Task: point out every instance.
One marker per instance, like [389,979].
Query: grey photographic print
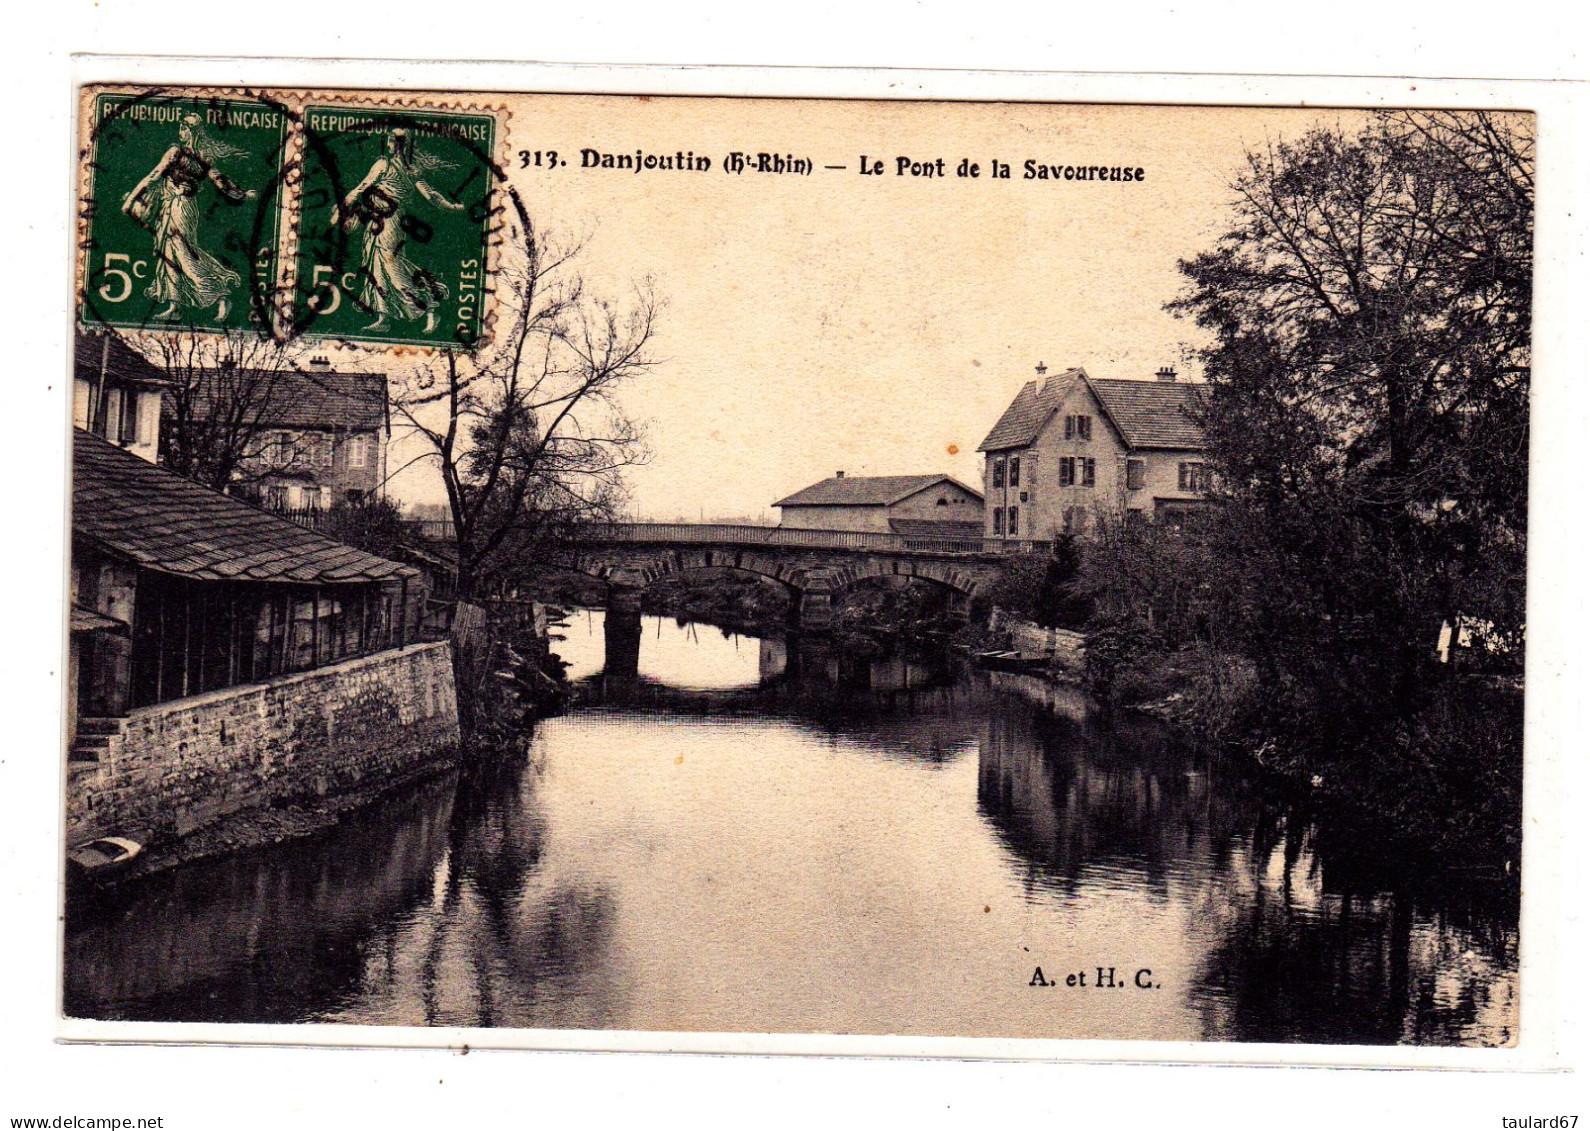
[728,565]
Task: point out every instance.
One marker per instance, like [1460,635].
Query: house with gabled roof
[1072,449]
[321,432]
[885,504]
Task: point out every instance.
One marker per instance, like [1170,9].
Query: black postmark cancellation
[236,211]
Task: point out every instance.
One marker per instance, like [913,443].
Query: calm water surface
[752,835]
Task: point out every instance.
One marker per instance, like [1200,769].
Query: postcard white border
[1549,865]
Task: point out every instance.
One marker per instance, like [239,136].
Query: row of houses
[1070,451]
[316,436]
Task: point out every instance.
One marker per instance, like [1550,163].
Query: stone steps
[94,737]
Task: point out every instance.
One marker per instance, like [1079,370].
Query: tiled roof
[161,521]
[1153,414]
[928,528]
[304,398]
[1029,412]
[865,490]
[119,360]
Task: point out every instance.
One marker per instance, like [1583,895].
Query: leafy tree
[1044,587]
[1369,312]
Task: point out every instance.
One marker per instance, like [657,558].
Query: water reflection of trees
[433,908]
[264,936]
[1301,939]
[1308,948]
[1069,797]
[501,941]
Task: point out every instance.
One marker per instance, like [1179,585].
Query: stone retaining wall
[1065,650]
[175,767]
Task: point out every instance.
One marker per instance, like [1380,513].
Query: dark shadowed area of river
[744,835]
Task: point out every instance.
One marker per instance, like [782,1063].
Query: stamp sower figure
[394,285]
[185,275]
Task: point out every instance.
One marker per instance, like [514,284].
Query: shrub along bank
[1433,766]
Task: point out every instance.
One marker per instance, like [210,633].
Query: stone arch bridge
[814,565]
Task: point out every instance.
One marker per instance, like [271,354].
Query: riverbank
[696,836]
[262,828]
[1442,782]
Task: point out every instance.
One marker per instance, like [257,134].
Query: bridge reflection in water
[808,843]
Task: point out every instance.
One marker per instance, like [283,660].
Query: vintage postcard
[570,568]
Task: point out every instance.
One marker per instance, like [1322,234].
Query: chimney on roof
[1042,380]
[1165,373]
[839,475]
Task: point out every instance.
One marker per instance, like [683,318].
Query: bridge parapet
[815,566]
[723,534]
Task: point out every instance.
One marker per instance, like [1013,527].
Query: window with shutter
[1134,475]
[129,419]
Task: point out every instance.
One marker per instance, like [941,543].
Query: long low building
[877,503]
[222,656]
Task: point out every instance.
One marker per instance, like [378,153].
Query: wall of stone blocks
[178,766]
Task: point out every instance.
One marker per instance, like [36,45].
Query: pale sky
[871,323]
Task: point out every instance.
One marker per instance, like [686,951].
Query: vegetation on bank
[1368,319]
[870,620]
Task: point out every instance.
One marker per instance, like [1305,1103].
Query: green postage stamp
[393,225]
[289,217]
[183,212]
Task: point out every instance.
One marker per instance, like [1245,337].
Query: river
[741,835]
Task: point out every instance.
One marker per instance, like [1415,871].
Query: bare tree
[228,398]
[526,430]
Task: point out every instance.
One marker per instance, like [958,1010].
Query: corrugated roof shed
[87,620]
[302,398]
[161,521]
[1154,414]
[1029,412]
[865,490]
